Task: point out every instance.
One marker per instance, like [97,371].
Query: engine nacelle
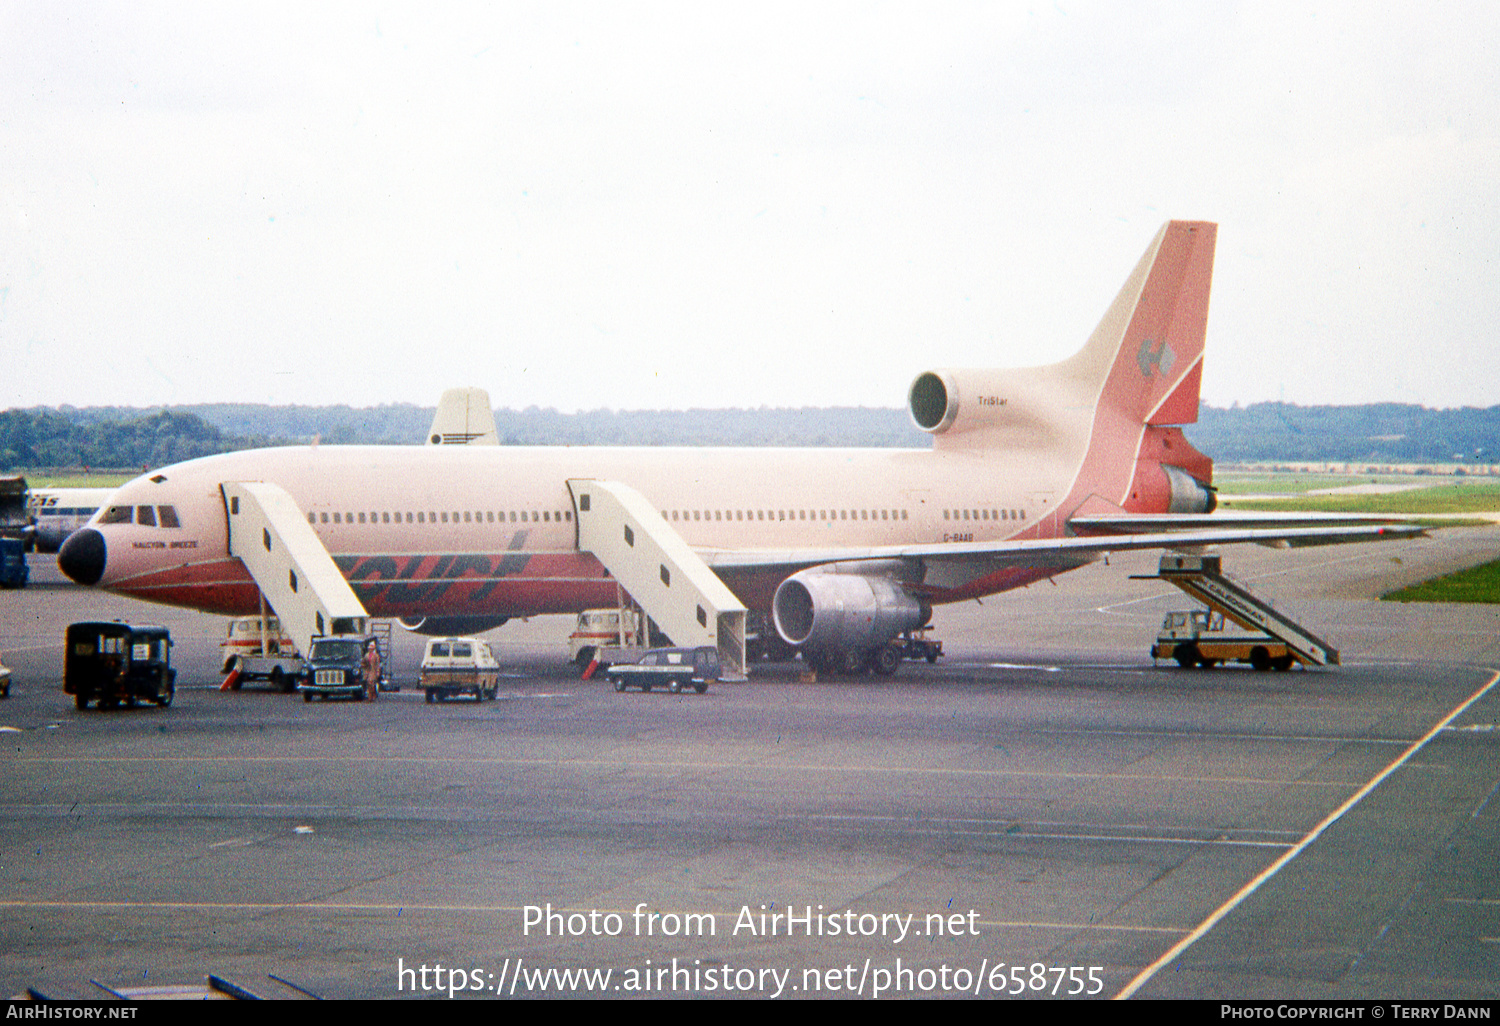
[1189,495]
[838,612]
[448,626]
[1022,408]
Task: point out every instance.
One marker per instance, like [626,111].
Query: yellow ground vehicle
[1197,637]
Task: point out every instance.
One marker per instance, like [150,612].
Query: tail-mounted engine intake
[840,612]
[1014,408]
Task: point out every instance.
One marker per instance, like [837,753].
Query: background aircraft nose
[82,556]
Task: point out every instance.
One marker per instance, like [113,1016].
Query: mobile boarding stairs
[666,578]
[1202,578]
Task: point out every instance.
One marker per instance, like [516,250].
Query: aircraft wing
[1097,535]
[1156,523]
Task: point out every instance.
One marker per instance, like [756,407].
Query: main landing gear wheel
[852,661]
[887,660]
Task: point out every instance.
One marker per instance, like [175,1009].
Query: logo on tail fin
[1162,358]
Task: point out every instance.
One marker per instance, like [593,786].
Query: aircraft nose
[82,556]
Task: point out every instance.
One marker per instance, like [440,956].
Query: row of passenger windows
[549,516]
[166,516]
[984,514]
[145,516]
[486,516]
[785,514]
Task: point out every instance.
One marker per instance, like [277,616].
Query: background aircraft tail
[464,417]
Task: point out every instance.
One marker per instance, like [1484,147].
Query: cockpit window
[145,516]
[117,515]
[168,516]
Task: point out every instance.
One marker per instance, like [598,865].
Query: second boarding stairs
[1202,577]
[663,575]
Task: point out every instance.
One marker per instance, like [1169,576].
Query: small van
[673,668]
[459,666]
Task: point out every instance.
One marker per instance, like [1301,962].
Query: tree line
[131,437]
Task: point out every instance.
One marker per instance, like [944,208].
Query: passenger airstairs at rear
[1202,578]
[663,575]
[270,535]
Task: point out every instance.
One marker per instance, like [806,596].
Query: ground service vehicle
[15,518]
[116,663]
[260,651]
[335,667]
[14,573]
[917,645]
[459,666]
[598,633]
[672,668]
[4,681]
[1197,637]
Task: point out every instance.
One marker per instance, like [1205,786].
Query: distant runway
[1043,811]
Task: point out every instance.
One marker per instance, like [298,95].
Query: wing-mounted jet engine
[846,618]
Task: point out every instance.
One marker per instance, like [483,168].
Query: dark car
[672,668]
[335,667]
[117,663]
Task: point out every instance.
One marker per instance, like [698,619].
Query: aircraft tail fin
[464,417]
[1146,361]
[1147,352]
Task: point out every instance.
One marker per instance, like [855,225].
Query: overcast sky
[660,206]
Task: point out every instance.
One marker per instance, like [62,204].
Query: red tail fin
[1154,331]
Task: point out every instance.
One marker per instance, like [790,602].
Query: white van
[459,666]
